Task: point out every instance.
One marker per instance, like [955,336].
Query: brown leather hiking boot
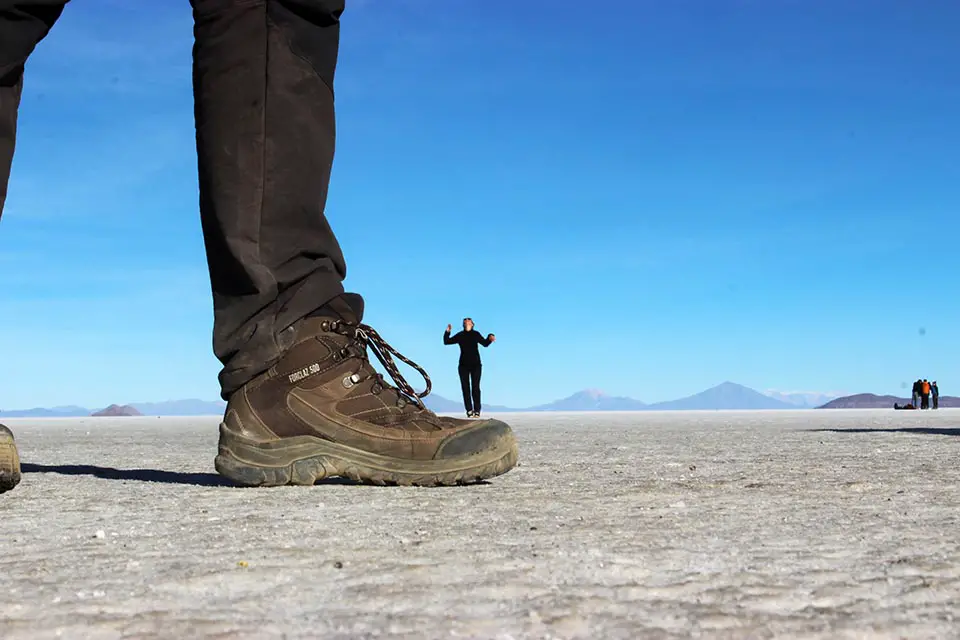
[324,411]
[9,461]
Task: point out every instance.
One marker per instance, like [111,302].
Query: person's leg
[475,377]
[23,24]
[304,401]
[465,388]
[263,84]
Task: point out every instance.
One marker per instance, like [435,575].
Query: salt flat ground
[812,524]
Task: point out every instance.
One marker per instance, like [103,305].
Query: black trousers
[470,385]
[263,102]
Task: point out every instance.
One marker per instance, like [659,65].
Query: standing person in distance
[470,368]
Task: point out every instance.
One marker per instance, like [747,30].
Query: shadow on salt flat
[929,431]
[145,475]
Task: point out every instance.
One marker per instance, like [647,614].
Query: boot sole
[9,463]
[303,460]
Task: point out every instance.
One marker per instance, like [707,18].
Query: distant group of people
[923,392]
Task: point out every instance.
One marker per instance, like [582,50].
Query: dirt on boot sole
[304,460]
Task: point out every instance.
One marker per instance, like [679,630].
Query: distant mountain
[193,407]
[115,410]
[169,408]
[591,400]
[728,395]
[69,411]
[873,401]
[189,407]
[802,399]
[725,396]
[439,404]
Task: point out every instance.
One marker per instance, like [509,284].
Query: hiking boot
[323,411]
[9,461]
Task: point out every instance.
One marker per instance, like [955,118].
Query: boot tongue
[347,306]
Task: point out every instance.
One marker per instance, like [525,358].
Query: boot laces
[366,337]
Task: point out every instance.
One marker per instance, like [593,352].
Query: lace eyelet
[351,380]
[376,389]
[401,403]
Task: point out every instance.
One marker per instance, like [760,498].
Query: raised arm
[490,339]
[447,339]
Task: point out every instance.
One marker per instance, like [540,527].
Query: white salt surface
[813,524]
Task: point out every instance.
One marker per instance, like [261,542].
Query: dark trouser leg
[23,23]
[263,76]
[475,377]
[465,387]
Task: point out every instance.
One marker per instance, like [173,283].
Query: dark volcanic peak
[864,401]
[116,410]
[873,401]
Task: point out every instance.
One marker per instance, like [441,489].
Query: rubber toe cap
[481,437]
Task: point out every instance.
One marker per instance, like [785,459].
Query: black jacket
[469,342]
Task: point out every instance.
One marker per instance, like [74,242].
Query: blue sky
[657,197]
